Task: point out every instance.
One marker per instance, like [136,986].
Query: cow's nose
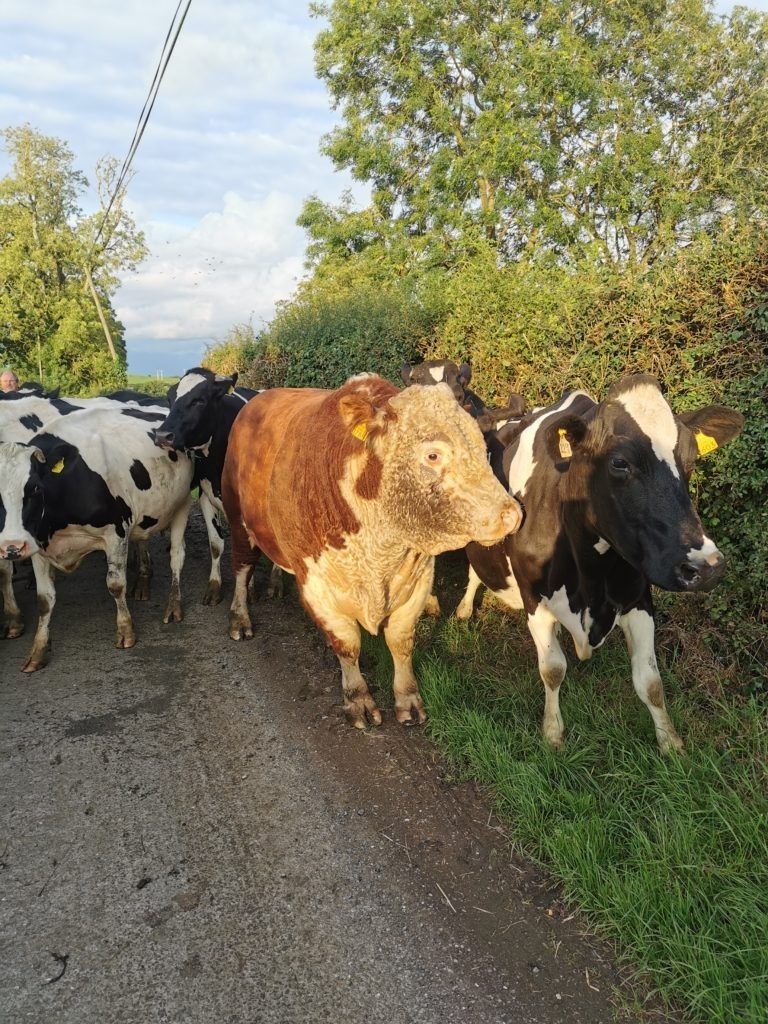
[512,517]
[13,550]
[164,438]
[700,575]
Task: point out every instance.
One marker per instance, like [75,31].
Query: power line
[165,56]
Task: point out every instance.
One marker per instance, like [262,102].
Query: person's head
[9,381]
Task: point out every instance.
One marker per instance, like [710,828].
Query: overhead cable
[165,55]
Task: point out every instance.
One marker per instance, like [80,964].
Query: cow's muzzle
[13,550]
[700,575]
[163,438]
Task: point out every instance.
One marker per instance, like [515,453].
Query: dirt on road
[190,832]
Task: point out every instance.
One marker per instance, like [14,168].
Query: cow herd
[571,512]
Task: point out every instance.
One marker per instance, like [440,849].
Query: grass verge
[666,856]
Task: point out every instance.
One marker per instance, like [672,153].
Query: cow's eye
[619,467]
[433,457]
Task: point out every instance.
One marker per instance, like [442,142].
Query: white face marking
[15,460]
[648,408]
[188,382]
[602,546]
[437,373]
[708,552]
[523,464]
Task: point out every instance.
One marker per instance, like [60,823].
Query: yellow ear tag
[564,444]
[360,431]
[58,467]
[705,443]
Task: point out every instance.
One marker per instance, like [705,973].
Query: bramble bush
[698,321]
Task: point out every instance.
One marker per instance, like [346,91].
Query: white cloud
[229,155]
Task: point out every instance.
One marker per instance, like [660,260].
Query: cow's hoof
[141,590]
[173,614]
[212,593]
[415,714]
[362,714]
[240,633]
[125,640]
[15,629]
[35,662]
[465,610]
[432,606]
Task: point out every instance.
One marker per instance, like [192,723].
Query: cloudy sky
[230,153]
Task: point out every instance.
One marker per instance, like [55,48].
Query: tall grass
[668,856]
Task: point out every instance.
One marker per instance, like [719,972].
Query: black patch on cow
[172,455]
[63,407]
[77,495]
[31,422]
[140,476]
[147,522]
[218,527]
[142,414]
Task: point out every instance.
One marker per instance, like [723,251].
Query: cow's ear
[405,373]
[563,436]
[223,384]
[712,426]
[55,460]
[361,417]
[465,373]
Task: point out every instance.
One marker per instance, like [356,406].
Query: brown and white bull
[355,491]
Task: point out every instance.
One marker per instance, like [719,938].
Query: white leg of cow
[212,593]
[46,599]
[467,604]
[639,631]
[141,588]
[173,609]
[117,584]
[14,624]
[552,665]
[240,627]
[399,634]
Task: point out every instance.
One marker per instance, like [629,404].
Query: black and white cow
[91,480]
[604,487]
[203,408]
[445,371]
[22,415]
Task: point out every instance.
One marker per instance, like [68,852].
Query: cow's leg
[212,593]
[117,584]
[46,599]
[173,610]
[14,623]
[343,634]
[141,587]
[639,631]
[543,626]
[399,634]
[275,587]
[467,604]
[244,557]
[432,606]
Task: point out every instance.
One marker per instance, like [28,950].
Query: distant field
[150,384]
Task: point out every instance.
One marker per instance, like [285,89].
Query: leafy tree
[599,131]
[54,259]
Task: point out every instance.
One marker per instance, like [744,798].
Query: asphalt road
[189,832]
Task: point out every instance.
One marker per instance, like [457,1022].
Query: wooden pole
[102,318]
